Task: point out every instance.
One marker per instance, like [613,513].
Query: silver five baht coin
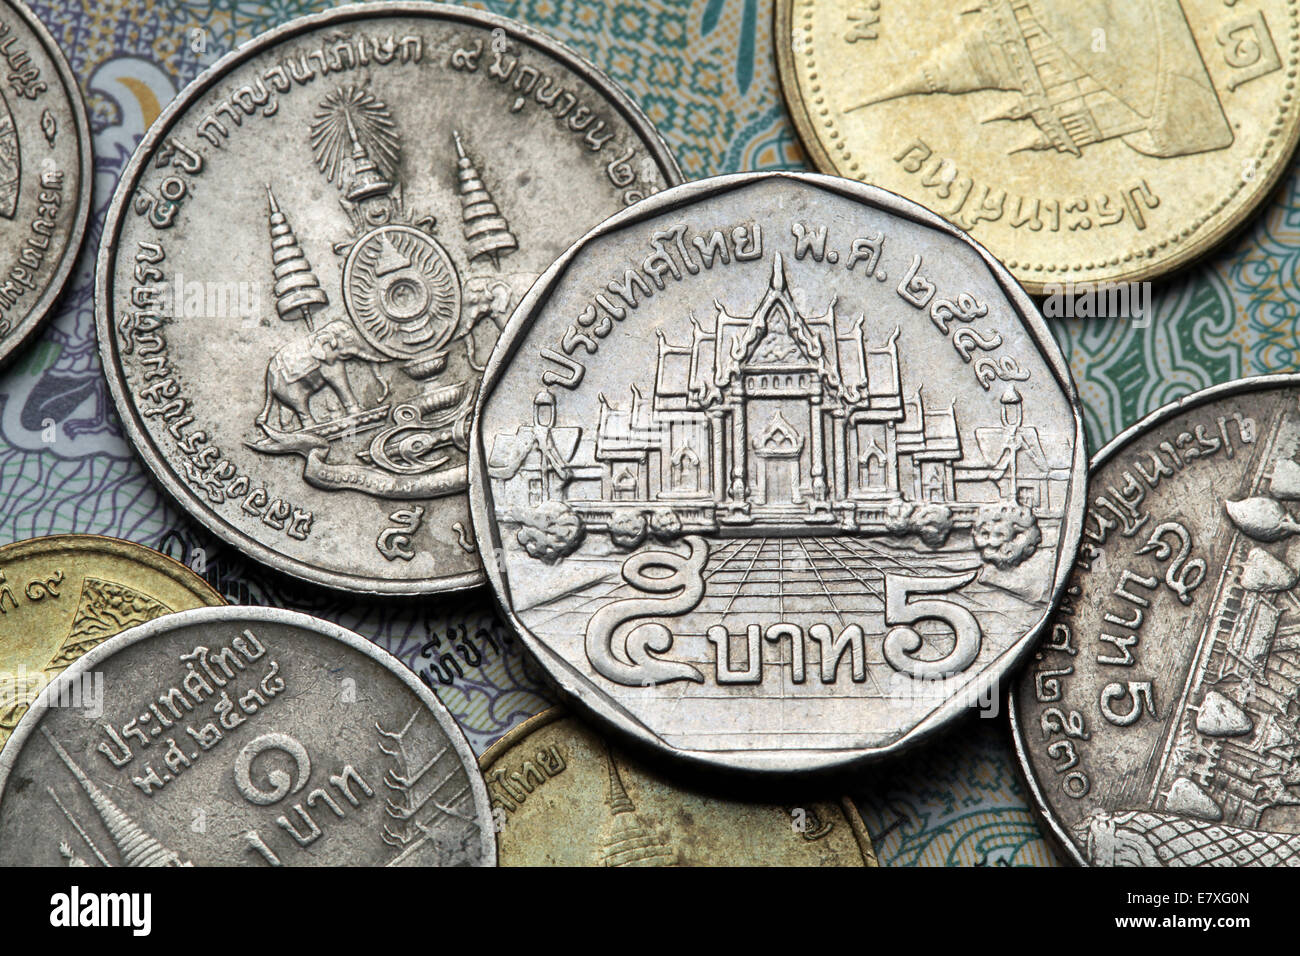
[779,472]
[1157,722]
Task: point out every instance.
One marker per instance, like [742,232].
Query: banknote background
[704,72]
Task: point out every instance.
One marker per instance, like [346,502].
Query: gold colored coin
[562,796]
[1078,140]
[62,595]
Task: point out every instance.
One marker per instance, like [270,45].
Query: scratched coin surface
[1157,721]
[308,260]
[241,736]
[562,795]
[64,594]
[1093,141]
[779,471]
[45,174]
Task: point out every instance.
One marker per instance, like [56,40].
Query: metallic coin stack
[767,476]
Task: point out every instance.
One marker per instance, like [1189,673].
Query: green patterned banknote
[704,71]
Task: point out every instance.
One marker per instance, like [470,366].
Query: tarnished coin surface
[45,174]
[1096,141]
[1157,721]
[64,594]
[308,259]
[564,796]
[779,471]
[240,736]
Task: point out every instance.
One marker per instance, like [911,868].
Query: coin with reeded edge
[780,472]
[241,736]
[45,175]
[64,594]
[1156,723]
[308,260]
[1080,142]
[563,796]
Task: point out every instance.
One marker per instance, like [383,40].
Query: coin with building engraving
[64,594]
[1157,720]
[240,736]
[310,256]
[1081,141]
[779,471]
[45,174]
[562,795]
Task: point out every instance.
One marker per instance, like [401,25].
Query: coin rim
[117,548]
[517,734]
[1191,253]
[164,475]
[240,614]
[1254,383]
[43,309]
[578,686]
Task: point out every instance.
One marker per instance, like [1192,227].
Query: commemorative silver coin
[309,258]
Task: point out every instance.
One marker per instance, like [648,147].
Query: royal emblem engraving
[405,308]
[760,496]
[296,349]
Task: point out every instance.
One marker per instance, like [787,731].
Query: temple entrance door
[778,448]
[781,480]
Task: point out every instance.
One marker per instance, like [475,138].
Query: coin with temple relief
[779,472]
[240,736]
[46,175]
[64,594]
[1157,723]
[564,796]
[308,260]
[1081,141]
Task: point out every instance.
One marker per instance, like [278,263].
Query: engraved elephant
[310,363]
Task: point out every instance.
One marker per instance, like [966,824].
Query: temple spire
[137,848]
[617,798]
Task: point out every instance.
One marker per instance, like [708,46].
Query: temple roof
[628,432]
[929,434]
[778,337]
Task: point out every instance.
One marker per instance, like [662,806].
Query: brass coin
[562,796]
[64,594]
[1079,141]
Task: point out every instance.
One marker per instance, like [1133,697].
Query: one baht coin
[780,471]
[240,736]
[1156,723]
[45,175]
[1080,142]
[64,594]
[564,796]
[308,260]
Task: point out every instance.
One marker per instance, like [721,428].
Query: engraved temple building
[775,419]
